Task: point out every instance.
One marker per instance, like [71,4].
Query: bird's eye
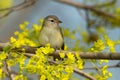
[52,20]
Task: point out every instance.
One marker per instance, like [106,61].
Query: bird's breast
[52,36]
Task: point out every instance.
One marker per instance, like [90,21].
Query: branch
[7,70]
[83,55]
[91,8]
[84,74]
[20,6]
[106,4]
[112,66]
[88,21]
[92,55]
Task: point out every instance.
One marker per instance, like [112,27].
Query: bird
[51,33]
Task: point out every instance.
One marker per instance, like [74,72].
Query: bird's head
[51,21]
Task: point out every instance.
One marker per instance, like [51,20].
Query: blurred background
[77,20]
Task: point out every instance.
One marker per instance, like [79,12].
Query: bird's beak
[60,21]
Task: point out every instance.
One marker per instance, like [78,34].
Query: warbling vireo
[51,33]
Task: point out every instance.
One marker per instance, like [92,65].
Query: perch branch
[83,55]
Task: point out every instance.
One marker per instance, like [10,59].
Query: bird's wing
[62,37]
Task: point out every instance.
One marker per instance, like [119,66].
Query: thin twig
[112,2]
[87,21]
[8,70]
[20,6]
[91,8]
[84,74]
[112,66]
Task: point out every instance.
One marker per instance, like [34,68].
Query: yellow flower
[16,32]
[112,49]
[20,77]
[62,55]
[66,32]
[110,74]
[26,22]
[11,62]
[23,26]
[64,77]
[71,58]
[41,21]
[104,70]
[109,42]
[40,69]
[72,36]
[70,55]
[12,40]
[65,47]
[31,68]
[118,10]
[3,56]
[99,45]
[36,27]
[103,61]
[43,77]
[2,74]
[80,64]
[69,69]
[45,50]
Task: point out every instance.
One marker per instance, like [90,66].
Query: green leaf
[7,48]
